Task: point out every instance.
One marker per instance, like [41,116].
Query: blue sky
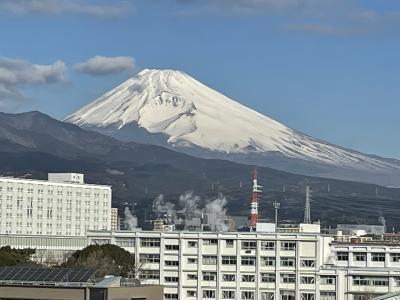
[328,68]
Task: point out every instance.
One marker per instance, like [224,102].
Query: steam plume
[130,220]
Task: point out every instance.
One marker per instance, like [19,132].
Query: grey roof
[26,274]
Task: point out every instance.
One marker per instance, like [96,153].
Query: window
[192,260]
[229,243]
[288,246]
[228,295]
[288,278]
[191,276]
[209,276]
[288,295]
[149,274]
[395,257]
[150,242]
[191,293]
[288,261]
[248,278]
[192,244]
[126,242]
[396,281]
[267,245]
[171,296]
[249,245]
[308,263]
[342,256]
[171,263]
[268,261]
[307,279]
[171,279]
[267,296]
[149,258]
[209,294]
[209,260]
[268,277]
[210,242]
[248,261]
[370,281]
[328,280]
[172,247]
[327,296]
[228,277]
[378,257]
[307,296]
[229,260]
[359,256]
[247,295]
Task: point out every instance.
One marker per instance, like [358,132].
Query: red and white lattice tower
[254,202]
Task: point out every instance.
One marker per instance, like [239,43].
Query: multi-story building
[115,224]
[52,216]
[260,266]
[61,206]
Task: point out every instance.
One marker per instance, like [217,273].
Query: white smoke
[216,212]
[164,209]
[130,221]
[190,204]
[382,220]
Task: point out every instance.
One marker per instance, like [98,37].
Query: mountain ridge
[176,110]
[33,144]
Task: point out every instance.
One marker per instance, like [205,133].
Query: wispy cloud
[101,65]
[16,73]
[263,6]
[324,17]
[56,7]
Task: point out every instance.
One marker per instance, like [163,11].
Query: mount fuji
[170,108]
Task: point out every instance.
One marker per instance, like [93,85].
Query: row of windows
[246,245]
[59,191]
[265,277]
[370,281]
[231,294]
[362,256]
[250,295]
[251,261]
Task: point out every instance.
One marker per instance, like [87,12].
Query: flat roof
[13,275]
[42,181]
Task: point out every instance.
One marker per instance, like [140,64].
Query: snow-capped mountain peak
[190,114]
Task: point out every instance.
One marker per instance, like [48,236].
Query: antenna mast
[307,210]
[254,202]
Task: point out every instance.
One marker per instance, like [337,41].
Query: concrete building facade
[260,266]
[61,206]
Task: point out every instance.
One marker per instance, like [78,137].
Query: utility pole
[276,206]
[307,212]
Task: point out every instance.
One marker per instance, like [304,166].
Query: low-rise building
[262,266]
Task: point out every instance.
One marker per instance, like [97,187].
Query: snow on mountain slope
[191,114]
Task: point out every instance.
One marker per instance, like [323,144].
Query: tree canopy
[14,257]
[106,259]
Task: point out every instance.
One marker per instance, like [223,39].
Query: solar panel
[45,274]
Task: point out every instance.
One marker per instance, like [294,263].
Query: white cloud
[53,7]
[315,7]
[16,73]
[101,65]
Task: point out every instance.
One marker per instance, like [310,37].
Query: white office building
[61,206]
[260,266]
